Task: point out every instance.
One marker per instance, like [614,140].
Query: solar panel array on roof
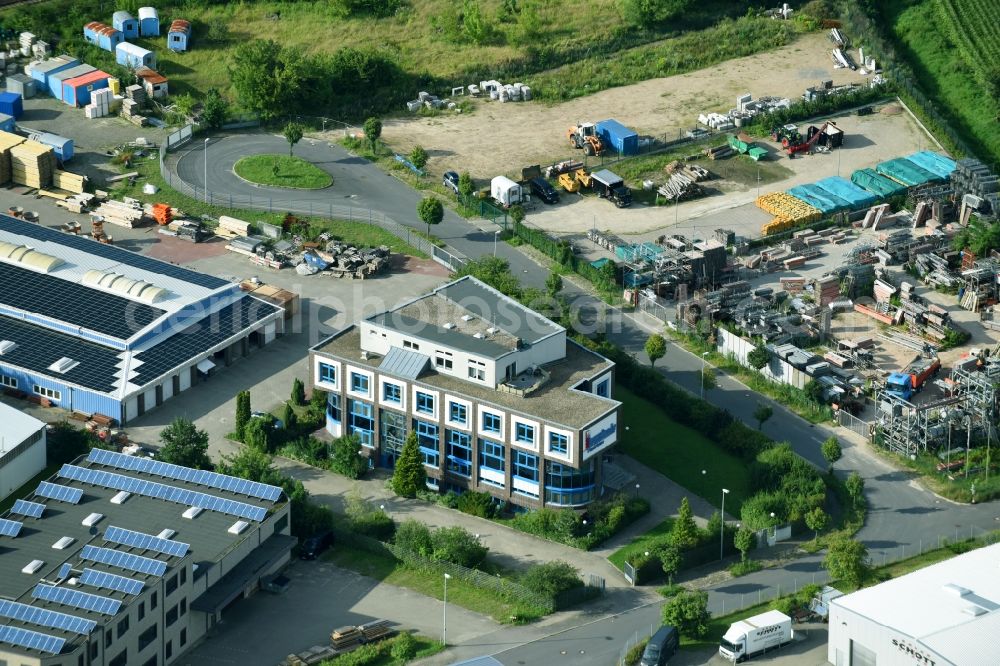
[74,303]
[10,528]
[162,491]
[110,581]
[64,571]
[46,618]
[145,541]
[199,476]
[116,558]
[117,254]
[25,508]
[32,640]
[76,599]
[58,492]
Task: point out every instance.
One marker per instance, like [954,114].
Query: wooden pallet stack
[71,182]
[127,213]
[375,630]
[345,638]
[32,164]
[7,141]
[827,290]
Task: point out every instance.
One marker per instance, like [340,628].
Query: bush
[298,392]
[551,578]
[745,567]
[688,611]
[404,647]
[346,460]
[458,546]
[414,536]
[367,519]
[476,504]
[634,653]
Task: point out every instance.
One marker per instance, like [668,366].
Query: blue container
[11,104]
[126,23]
[621,139]
[6,122]
[61,146]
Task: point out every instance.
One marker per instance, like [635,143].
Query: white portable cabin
[505,191]
[133,56]
[149,22]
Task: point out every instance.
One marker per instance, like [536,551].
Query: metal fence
[449,257]
[853,423]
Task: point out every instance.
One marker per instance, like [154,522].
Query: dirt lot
[498,139]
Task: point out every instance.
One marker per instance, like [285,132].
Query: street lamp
[637,490]
[444,626]
[722,526]
[704,357]
[496,235]
[206,169]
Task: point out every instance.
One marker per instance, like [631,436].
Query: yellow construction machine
[585,136]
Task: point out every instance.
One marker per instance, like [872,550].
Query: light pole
[968,441]
[637,490]
[206,169]
[704,358]
[444,624]
[496,235]
[722,525]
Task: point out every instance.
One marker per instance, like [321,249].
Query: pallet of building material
[345,638]
[375,630]
[71,182]
[120,213]
[232,226]
[32,164]
[7,141]
[794,262]
[162,213]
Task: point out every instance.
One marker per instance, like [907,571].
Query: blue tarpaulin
[933,162]
[848,191]
[819,198]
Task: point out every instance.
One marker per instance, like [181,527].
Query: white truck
[505,191]
[754,635]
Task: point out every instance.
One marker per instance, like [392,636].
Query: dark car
[660,647]
[314,546]
[543,190]
[450,181]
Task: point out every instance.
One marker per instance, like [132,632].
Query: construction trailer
[505,191]
[103,35]
[179,35]
[619,138]
[77,91]
[132,56]
[55,79]
[40,71]
[126,23]
[149,22]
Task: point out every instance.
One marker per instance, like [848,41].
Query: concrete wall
[777,369]
[28,462]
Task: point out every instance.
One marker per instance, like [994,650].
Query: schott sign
[918,656]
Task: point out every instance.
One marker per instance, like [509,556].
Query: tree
[419,157]
[688,611]
[288,418]
[257,434]
[684,533]
[458,546]
[465,185]
[816,520]
[242,413]
[373,132]
[267,78]
[671,560]
[214,109]
[495,272]
[293,134]
[431,211]
[831,450]
[184,444]
[743,540]
[409,475]
[656,348]
[758,357]
[708,378]
[250,463]
[855,487]
[414,536]
[553,284]
[847,561]
[551,578]
[347,458]
[404,648]
[815,391]
[317,400]
[762,414]
[298,392]
[517,213]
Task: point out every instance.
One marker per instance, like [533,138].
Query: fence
[853,423]
[447,257]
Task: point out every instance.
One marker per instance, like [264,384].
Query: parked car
[543,190]
[314,546]
[450,181]
[660,647]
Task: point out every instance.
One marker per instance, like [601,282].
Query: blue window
[391,393]
[360,421]
[333,407]
[558,443]
[567,486]
[459,449]
[525,465]
[457,413]
[524,433]
[327,373]
[603,389]
[359,383]
[491,423]
[425,403]
[491,455]
[427,438]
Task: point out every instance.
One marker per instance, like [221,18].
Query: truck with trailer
[755,635]
[505,191]
[907,382]
[610,186]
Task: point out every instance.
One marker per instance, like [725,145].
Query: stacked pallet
[788,212]
[375,630]
[345,638]
[32,164]
[7,141]
[163,213]
[827,290]
[123,214]
[71,182]
[231,227]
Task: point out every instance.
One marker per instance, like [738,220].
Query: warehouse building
[500,400]
[22,449]
[947,614]
[93,328]
[119,560]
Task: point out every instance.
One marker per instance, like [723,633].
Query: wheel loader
[585,136]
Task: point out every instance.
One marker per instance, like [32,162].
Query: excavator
[585,136]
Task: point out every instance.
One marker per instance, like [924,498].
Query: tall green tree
[409,475]
[495,272]
[743,540]
[684,533]
[288,418]
[656,348]
[855,486]
[373,132]
[257,434]
[816,520]
[418,157]
[298,392]
[293,133]
[831,450]
[214,109]
[268,79]
[847,560]
[762,414]
[347,458]
[688,611]
[431,211]
[242,412]
[184,444]
[465,185]
[671,560]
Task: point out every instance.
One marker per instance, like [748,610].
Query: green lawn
[680,453]
[282,171]
[640,544]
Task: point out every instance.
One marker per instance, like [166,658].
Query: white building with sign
[500,399]
[942,615]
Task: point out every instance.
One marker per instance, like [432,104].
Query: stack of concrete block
[135,100]
[26,40]
[100,104]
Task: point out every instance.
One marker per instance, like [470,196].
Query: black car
[450,181]
[314,546]
[544,191]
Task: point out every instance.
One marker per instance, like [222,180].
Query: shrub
[634,653]
[551,578]
[346,458]
[458,546]
[688,611]
[367,519]
[298,392]
[404,647]
[476,504]
[831,450]
[414,536]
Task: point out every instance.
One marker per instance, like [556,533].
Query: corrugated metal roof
[180,25]
[150,76]
[88,78]
[404,363]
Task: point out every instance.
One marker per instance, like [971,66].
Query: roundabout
[282,171]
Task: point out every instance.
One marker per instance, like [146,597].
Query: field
[952,64]
[282,171]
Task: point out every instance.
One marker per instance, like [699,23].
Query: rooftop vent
[121,497]
[491,330]
[63,543]
[142,291]
[478,335]
[63,365]
[956,590]
[32,566]
[449,326]
[467,317]
[25,256]
[974,610]
[167,534]
[92,519]
[192,512]
[7,346]
[364,355]
[238,527]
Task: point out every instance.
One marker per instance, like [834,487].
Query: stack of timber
[718,152]
[375,630]
[77,203]
[128,213]
[314,655]
[345,638]
[7,141]
[32,164]
[71,182]
[232,227]
[681,186]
